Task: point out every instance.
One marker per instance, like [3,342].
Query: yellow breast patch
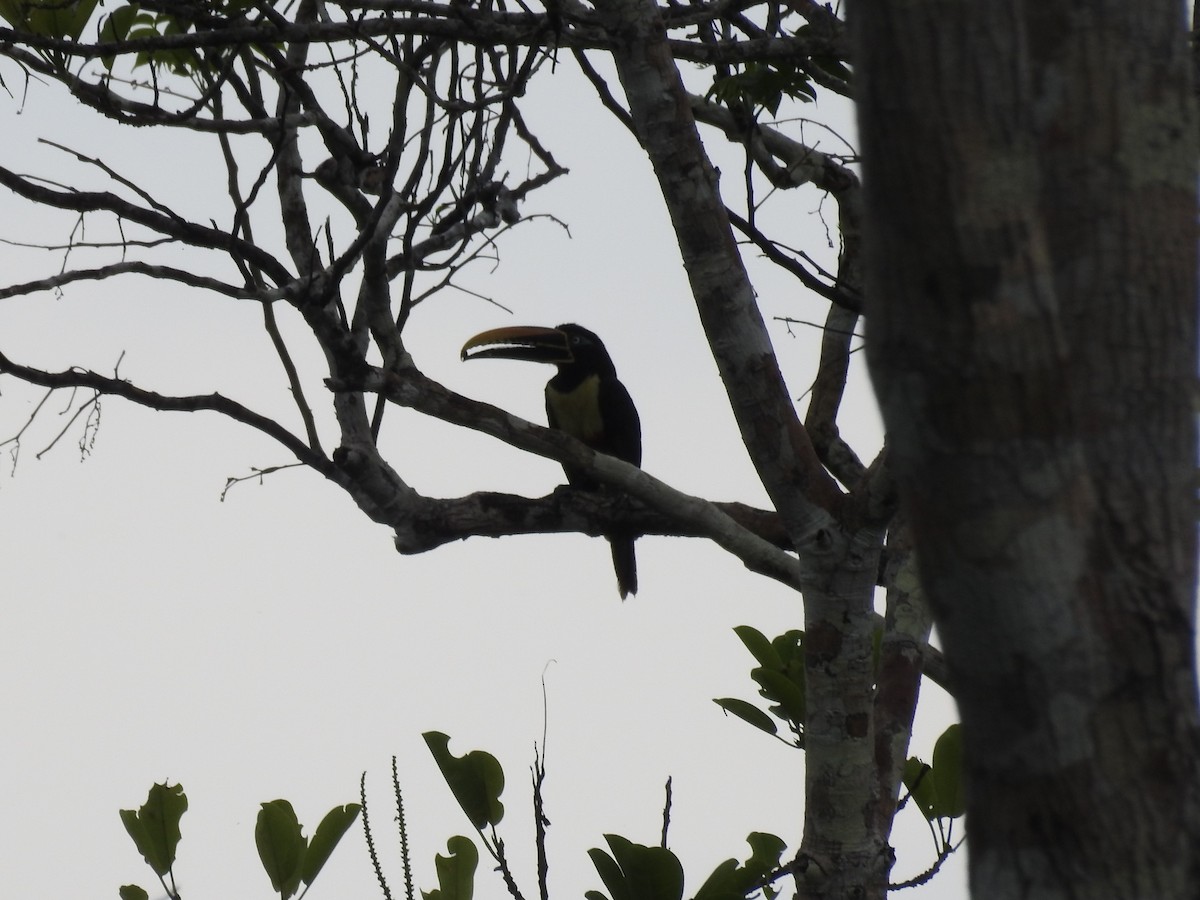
[578,412]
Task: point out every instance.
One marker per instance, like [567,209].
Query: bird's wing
[622,427]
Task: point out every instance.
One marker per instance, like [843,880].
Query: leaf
[12,12]
[919,782]
[638,872]
[456,872]
[49,18]
[782,690]
[727,882]
[331,830]
[830,65]
[281,845]
[655,871]
[155,826]
[760,648]
[733,881]
[73,17]
[117,23]
[132,892]
[610,874]
[761,84]
[766,849]
[790,648]
[748,712]
[948,773]
[114,28]
[476,780]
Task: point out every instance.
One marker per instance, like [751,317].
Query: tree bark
[1031,304]
[844,853]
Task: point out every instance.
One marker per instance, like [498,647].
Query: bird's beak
[525,342]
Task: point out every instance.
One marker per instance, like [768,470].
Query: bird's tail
[624,564]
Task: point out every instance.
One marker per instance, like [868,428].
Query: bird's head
[566,346]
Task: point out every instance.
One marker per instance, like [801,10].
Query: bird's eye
[576,340]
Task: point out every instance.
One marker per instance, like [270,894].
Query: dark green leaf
[456,872]
[71,18]
[765,852]
[831,65]
[758,645]
[748,712]
[727,882]
[115,27]
[335,824]
[731,881]
[476,780]
[132,892]
[948,773]
[790,648]
[142,28]
[155,826]
[281,845]
[781,689]
[610,874]
[651,873]
[13,12]
[116,24]
[50,18]
[918,779]
[762,85]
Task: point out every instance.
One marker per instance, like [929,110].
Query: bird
[585,399]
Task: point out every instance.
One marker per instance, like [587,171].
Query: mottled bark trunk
[1031,202]
[844,854]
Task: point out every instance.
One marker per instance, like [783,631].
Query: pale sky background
[275,645]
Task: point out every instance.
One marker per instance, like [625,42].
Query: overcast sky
[275,645]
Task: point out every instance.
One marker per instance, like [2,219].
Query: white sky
[275,645]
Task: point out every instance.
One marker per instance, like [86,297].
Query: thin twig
[405,857]
[666,816]
[366,819]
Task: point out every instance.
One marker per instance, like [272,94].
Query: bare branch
[416,391]
[256,474]
[119,387]
[470,25]
[179,229]
[772,251]
[134,267]
[827,392]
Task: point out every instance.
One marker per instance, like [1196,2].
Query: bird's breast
[577,411]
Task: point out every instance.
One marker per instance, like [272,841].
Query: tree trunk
[838,537]
[1031,305]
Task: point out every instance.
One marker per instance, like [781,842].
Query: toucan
[584,398]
